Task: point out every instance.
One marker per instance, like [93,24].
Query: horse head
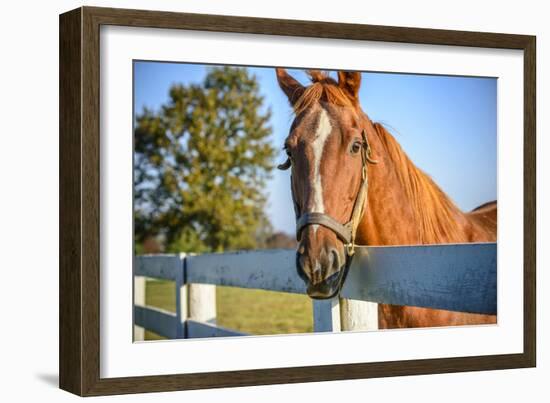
[328,153]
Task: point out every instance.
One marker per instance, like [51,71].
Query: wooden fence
[459,277]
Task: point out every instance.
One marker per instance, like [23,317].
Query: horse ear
[292,88]
[350,81]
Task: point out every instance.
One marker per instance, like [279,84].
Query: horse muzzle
[324,279]
[328,288]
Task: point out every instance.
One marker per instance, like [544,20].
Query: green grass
[263,312]
[248,311]
[160,294]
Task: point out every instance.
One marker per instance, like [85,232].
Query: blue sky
[447,125]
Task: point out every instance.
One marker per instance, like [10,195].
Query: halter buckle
[350,249]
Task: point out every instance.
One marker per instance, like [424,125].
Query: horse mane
[322,88]
[435,212]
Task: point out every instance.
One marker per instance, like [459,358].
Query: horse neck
[404,205]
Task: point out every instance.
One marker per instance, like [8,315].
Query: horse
[352,184]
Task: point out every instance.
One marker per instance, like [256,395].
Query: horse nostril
[335,259]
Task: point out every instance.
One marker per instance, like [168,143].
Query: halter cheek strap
[345,232]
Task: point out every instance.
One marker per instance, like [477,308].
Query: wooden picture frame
[80,199]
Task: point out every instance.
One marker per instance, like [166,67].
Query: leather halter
[345,232]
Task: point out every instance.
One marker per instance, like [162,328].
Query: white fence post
[139,299]
[358,315]
[326,315]
[202,303]
[181,298]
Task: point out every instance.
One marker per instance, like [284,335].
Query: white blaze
[323,131]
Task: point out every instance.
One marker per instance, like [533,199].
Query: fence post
[181,298]
[326,315]
[358,315]
[139,299]
[202,302]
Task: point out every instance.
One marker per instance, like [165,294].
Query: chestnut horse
[353,184]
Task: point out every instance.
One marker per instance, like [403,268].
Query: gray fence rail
[459,277]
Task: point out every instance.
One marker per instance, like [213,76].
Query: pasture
[248,311]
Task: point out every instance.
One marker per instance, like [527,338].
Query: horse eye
[356,147]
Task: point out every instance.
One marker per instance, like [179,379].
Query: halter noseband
[346,232]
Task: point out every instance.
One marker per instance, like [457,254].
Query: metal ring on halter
[350,248]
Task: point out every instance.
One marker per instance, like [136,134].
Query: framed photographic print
[249,201]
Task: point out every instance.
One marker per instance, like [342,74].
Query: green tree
[201,163]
